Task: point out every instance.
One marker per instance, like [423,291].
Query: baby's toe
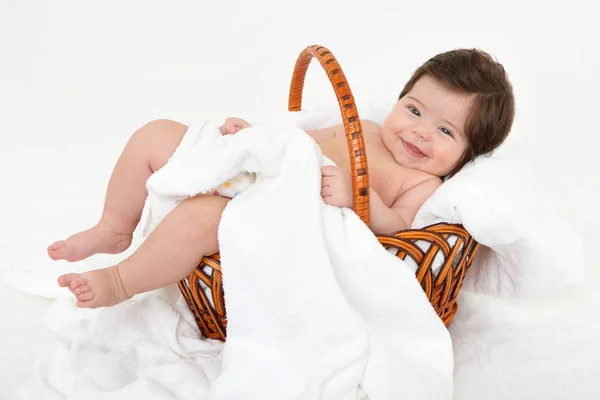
[83,304]
[77,282]
[81,289]
[58,250]
[56,245]
[66,279]
[85,296]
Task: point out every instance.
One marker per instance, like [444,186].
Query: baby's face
[425,130]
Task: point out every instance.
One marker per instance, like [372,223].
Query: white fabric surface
[373,329]
[528,249]
[65,368]
[311,314]
[147,348]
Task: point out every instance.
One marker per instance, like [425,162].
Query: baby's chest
[385,176]
[386,181]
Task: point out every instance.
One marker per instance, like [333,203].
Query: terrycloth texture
[311,313]
[145,348]
[528,247]
[148,347]
[316,307]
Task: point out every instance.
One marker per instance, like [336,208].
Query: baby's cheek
[447,157]
[392,142]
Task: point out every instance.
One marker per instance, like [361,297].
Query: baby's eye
[414,111]
[446,131]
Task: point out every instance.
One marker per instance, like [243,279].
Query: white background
[77,78]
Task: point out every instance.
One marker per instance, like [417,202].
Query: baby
[456,106]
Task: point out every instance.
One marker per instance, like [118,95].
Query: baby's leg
[148,150]
[170,253]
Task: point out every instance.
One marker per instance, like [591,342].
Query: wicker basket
[450,248]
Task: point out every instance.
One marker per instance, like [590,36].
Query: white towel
[528,247]
[149,346]
[316,307]
[145,348]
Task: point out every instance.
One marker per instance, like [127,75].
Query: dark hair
[475,72]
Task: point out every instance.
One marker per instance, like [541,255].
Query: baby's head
[455,107]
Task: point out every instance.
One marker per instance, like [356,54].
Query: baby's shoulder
[370,126]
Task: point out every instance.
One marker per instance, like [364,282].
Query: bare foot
[101,238]
[97,288]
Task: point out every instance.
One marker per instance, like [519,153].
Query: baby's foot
[101,238]
[97,288]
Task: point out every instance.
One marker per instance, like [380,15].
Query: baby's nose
[422,131]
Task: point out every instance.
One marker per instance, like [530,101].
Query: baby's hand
[233,125]
[336,186]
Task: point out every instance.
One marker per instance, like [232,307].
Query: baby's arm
[386,220]
[324,134]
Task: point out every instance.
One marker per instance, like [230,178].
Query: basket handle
[352,125]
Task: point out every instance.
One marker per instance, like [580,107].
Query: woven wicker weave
[447,249]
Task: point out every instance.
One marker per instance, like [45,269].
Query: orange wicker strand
[449,247]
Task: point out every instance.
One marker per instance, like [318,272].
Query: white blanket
[528,248]
[148,347]
[316,307]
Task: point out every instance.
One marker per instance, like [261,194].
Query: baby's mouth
[412,149]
